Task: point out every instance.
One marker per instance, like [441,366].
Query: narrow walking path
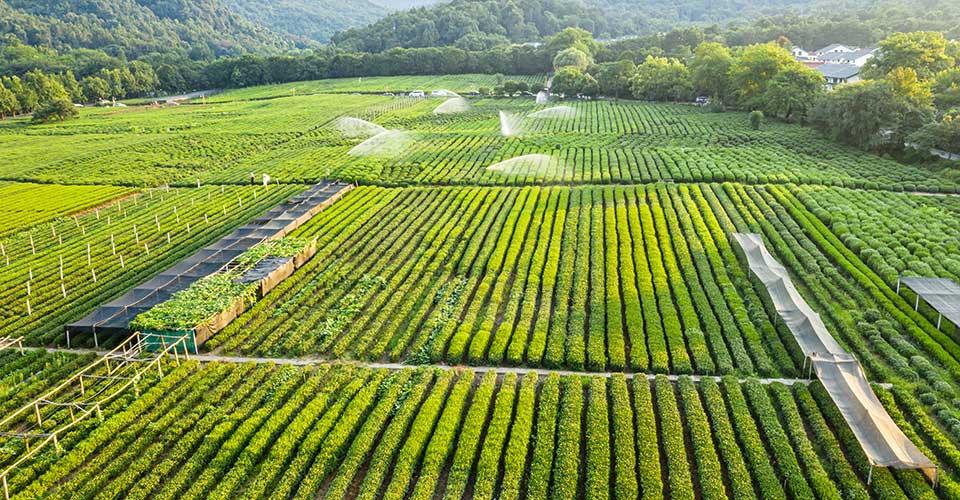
[207,358]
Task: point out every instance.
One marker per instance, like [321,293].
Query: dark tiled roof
[842,71]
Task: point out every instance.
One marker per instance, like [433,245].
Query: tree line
[52,95]
[909,93]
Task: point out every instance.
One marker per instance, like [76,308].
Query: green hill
[200,30]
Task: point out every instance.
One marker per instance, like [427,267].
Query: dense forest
[481,24]
[133,28]
[309,20]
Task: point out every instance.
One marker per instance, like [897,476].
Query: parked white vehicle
[417,93]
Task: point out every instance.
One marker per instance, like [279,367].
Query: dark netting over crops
[884,444]
[942,294]
[116,315]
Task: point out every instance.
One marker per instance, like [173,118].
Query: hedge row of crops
[462,84]
[589,278]
[149,147]
[26,376]
[608,142]
[599,142]
[28,204]
[57,272]
[893,234]
[894,343]
[255,431]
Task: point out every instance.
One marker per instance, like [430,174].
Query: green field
[575,325]
[245,431]
[294,140]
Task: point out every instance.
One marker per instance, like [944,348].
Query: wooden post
[113,244]
[157,220]
[63,288]
[33,247]
[36,410]
[93,272]
[61,267]
[136,234]
[29,309]
[122,265]
[89,259]
[177,214]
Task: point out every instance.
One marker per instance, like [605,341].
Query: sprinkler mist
[452,106]
[555,112]
[444,93]
[355,128]
[543,97]
[532,165]
[509,124]
[387,143]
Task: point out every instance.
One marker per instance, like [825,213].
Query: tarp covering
[804,322]
[884,444]
[116,315]
[942,294]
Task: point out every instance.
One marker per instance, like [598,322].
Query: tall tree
[26,97]
[8,102]
[614,78]
[869,114]
[70,84]
[946,89]
[753,68]
[662,79]
[710,68]
[790,94]
[572,57]
[925,52]
[95,89]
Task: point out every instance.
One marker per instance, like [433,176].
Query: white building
[835,54]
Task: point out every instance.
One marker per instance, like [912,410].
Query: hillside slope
[198,29]
[315,20]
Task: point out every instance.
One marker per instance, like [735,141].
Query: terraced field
[571,310]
